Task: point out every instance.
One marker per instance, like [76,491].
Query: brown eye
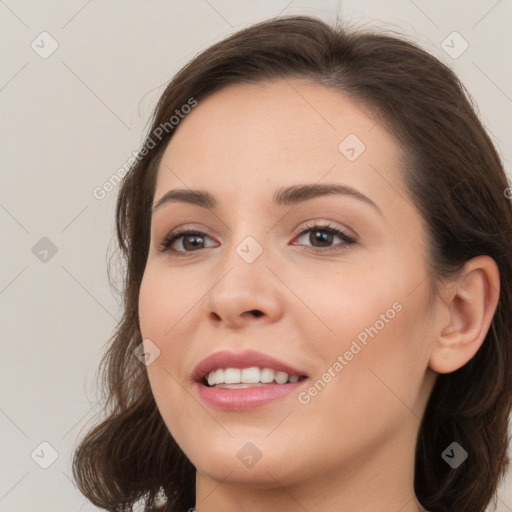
[190,241]
[322,237]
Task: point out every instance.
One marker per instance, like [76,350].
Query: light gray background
[70,121]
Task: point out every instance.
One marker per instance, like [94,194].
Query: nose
[243,293]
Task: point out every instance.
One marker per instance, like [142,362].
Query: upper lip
[246,359]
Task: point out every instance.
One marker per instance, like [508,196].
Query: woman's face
[350,311]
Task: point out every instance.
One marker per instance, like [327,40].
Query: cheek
[342,302]
[382,367]
[377,324]
[169,315]
[165,318]
[159,313]
[166,300]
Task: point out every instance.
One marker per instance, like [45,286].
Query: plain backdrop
[78,82]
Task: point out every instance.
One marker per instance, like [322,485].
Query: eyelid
[327,224]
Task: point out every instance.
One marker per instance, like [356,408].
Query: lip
[246,359]
[245,398]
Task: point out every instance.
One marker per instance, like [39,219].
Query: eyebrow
[285,196]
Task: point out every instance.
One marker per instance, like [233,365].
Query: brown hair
[455,179]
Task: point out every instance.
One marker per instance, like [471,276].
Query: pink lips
[246,398]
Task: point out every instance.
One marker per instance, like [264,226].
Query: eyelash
[175,235]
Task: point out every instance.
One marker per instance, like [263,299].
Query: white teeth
[267,375]
[232,376]
[281,377]
[219,376]
[235,378]
[250,375]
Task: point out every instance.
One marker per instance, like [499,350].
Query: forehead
[257,137]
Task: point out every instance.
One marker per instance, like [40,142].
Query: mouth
[248,367]
[239,381]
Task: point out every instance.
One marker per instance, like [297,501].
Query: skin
[351,448]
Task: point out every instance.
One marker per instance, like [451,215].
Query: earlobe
[470,304]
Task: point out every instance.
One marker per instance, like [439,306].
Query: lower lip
[245,398]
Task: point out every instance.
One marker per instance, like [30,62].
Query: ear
[469,304]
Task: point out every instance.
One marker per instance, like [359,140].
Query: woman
[317,294]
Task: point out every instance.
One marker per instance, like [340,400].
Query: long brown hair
[455,179]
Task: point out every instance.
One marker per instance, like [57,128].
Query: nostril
[256,312]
